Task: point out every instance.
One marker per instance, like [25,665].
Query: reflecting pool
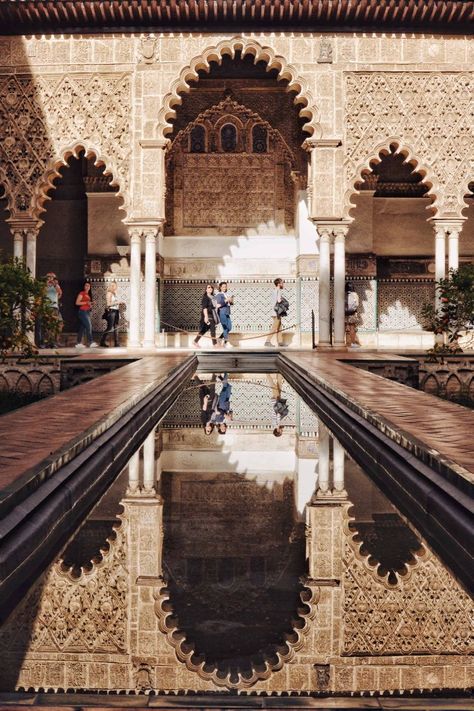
[242,549]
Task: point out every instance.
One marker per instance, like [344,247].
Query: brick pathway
[437,424]
[31,434]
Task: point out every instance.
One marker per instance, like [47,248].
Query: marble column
[339,285]
[150,287]
[323,463]
[149,462]
[338,467]
[18,244]
[453,247]
[440,257]
[134,473]
[31,235]
[324,284]
[135,273]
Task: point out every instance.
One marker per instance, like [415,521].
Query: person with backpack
[351,316]
[280,309]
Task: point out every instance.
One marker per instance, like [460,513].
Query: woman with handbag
[84,304]
[112,315]
[209,317]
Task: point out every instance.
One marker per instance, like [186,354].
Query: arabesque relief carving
[427,612]
[230,189]
[428,114]
[45,119]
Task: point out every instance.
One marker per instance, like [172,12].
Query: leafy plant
[22,302]
[455,313]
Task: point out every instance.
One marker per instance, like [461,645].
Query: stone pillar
[31,235]
[135,273]
[134,473]
[440,256]
[149,462]
[323,463]
[18,243]
[339,284]
[454,230]
[150,287]
[338,467]
[324,284]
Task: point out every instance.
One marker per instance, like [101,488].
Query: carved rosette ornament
[147,49]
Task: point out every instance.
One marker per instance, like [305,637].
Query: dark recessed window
[229,138]
[259,139]
[198,139]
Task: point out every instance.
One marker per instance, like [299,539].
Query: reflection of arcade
[233,551]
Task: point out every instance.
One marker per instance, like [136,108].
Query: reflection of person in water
[207,402]
[279,406]
[222,412]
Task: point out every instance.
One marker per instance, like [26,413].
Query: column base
[149,344]
[133,344]
[324,346]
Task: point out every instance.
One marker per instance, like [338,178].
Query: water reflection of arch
[238,609]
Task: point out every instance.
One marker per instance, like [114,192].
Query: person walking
[84,304]
[280,306]
[224,301]
[351,315]
[53,294]
[113,314]
[209,317]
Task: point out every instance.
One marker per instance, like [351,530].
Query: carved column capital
[340,232]
[325,232]
[151,233]
[135,234]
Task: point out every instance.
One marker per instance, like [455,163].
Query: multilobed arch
[392,145]
[230,47]
[42,189]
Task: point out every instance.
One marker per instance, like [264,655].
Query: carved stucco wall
[429,115]
[47,117]
[116,96]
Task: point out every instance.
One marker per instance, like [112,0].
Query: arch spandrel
[353,172]
[246,46]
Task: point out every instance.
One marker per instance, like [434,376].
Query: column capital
[163,143]
[324,232]
[135,234]
[340,232]
[310,143]
[151,233]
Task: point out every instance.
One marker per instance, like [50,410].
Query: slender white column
[18,241]
[149,462]
[134,318]
[324,278]
[338,466]
[323,463]
[150,287]
[339,285]
[134,472]
[31,235]
[453,248]
[304,482]
[440,257]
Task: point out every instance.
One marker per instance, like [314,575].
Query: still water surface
[242,548]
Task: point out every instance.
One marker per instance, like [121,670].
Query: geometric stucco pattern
[46,118]
[92,620]
[427,612]
[429,115]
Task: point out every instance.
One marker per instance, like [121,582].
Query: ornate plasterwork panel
[232,192]
[44,119]
[92,617]
[427,612]
[431,118]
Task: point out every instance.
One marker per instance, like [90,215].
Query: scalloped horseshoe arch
[230,47]
[51,172]
[383,149]
[274,662]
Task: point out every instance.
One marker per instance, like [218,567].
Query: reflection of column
[149,462]
[323,464]
[453,248]
[150,287]
[324,277]
[31,235]
[338,467]
[134,318]
[339,284]
[134,473]
[18,244]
